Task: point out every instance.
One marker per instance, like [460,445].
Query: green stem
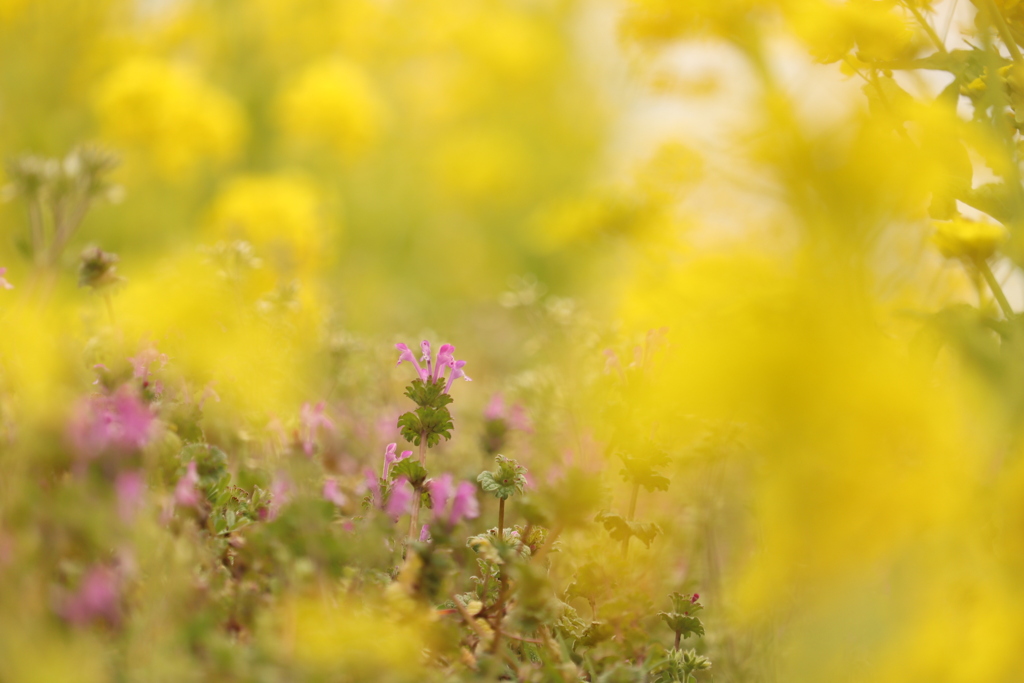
[503,580]
[932,35]
[64,229]
[994,286]
[417,501]
[501,519]
[632,513]
[1004,30]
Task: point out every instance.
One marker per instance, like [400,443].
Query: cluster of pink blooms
[121,422]
[401,492]
[451,504]
[434,369]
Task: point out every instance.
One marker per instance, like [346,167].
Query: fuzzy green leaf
[508,480]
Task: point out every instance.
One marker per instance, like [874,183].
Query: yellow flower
[972,240]
[279,215]
[169,115]
[332,103]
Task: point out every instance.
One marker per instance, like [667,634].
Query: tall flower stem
[632,514]
[995,287]
[417,500]
[501,518]
[502,579]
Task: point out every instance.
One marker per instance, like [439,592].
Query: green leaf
[428,394]
[620,528]
[410,469]
[640,469]
[431,423]
[506,481]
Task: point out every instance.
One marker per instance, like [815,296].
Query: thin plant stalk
[632,514]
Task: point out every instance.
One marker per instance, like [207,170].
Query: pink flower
[435,367]
[399,498]
[452,505]
[185,492]
[312,419]
[407,355]
[465,505]
[130,488]
[98,598]
[120,422]
[426,357]
[444,357]
[456,366]
[4,284]
[425,534]
[333,494]
[495,409]
[280,494]
[390,458]
[441,490]
[515,416]
[696,596]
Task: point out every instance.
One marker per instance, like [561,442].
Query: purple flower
[407,355]
[441,491]
[425,534]
[399,498]
[186,494]
[390,458]
[456,366]
[445,354]
[97,598]
[426,357]
[120,422]
[452,505]
[465,505]
[435,367]
[4,284]
[313,418]
[332,493]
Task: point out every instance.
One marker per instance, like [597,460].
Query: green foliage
[432,423]
[678,666]
[683,618]
[506,481]
[211,464]
[622,529]
[428,393]
[640,470]
[410,469]
[431,419]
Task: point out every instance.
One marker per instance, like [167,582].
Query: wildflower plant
[812,392]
